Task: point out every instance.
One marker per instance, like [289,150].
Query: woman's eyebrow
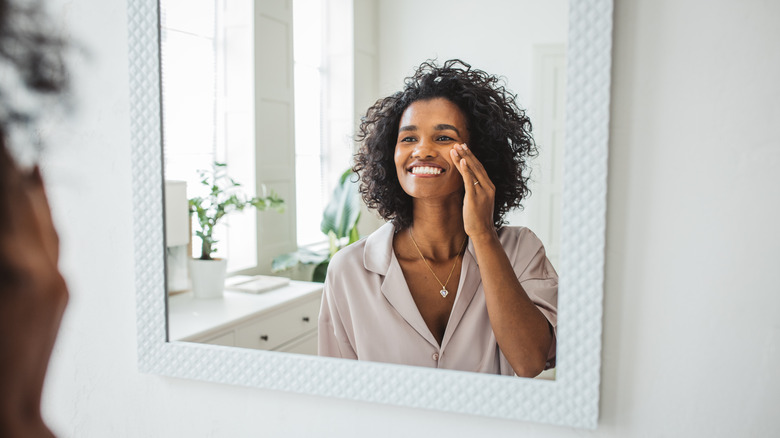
[443,126]
[407,128]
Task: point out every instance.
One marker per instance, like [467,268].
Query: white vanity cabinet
[283,319]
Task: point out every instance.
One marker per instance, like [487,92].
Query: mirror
[572,399]
[346,56]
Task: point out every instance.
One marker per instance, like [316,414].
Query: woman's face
[427,132]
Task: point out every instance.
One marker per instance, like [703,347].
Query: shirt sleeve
[540,282]
[332,340]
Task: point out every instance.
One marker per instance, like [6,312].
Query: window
[207,84]
[309,80]
[323,107]
[218,106]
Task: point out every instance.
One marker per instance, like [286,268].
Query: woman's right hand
[480,192]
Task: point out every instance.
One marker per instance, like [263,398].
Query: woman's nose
[424,149]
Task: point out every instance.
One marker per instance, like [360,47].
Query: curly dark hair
[33,78]
[499,136]
[31,56]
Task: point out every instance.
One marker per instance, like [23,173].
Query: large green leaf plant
[339,223]
[224,197]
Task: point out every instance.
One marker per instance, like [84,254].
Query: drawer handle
[264,337]
[305,319]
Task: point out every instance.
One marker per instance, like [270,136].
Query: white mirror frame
[571,400]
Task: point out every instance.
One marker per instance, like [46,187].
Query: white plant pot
[208,277]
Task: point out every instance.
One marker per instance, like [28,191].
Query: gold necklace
[443,290]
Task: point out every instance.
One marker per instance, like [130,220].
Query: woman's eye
[444,138]
[407,139]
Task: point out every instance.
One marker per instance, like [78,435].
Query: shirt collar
[379,247]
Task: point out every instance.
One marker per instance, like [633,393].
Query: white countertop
[190,317]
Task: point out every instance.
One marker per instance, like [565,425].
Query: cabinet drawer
[303,345]
[227,339]
[268,332]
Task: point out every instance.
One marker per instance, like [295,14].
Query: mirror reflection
[261,105]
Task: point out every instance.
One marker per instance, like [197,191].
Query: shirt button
[435,356]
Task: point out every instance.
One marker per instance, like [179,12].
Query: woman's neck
[437,228]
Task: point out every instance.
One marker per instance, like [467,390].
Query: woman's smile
[425,170]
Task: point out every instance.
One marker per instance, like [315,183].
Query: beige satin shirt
[368,312]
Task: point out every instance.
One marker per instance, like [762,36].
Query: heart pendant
[443,293]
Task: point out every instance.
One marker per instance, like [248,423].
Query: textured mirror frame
[571,400]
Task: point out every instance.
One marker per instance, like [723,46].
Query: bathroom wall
[411,32]
[692,302]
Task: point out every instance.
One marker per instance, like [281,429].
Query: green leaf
[353,234]
[223,201]
[343,211]
[320,272]
[310,257]
[284,262]
[333,242]
[304,256]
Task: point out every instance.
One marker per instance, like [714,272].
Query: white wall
[692,302]
[412,31]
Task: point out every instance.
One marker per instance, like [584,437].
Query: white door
[542,212]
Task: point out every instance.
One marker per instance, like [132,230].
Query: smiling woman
[380,301]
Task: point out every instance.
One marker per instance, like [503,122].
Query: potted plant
[339,223]
[224,197]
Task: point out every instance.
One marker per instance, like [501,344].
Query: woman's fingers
[474,166]
[479,171]
[478,202]
[472,182]
[462,166]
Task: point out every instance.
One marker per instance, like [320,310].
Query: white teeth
[426,170]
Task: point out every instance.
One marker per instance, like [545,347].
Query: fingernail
[464,146]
